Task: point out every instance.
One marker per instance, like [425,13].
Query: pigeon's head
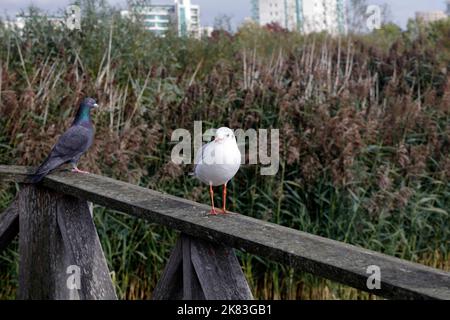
[90,103]
[224,134]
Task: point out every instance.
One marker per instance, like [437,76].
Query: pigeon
[217,162]
[71,145]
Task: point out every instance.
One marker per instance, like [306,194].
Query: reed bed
[364,127]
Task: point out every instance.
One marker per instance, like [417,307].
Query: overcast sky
[401,10]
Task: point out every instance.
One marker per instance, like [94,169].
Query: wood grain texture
[57,232]
[9,225]
[170,284]
[219,271]
[320,256]
[192,289]
[199,270]
[43,259]
[81,240]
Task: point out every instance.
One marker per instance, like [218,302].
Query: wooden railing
[57,231]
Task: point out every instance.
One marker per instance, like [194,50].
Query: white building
[206,31]
[302,15]
[183,15]
[156,18]
[18,23]
[187,18]
[430,16]
[21,20]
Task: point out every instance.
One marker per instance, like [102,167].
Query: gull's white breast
[219,162]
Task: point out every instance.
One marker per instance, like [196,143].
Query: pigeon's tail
[44,169]
[36,178]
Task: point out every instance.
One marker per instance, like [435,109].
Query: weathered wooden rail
[56,231]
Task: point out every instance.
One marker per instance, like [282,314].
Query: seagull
[72,144]
[217,162]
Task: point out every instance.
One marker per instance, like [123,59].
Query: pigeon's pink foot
[213,212]
[224,211]
[79,171]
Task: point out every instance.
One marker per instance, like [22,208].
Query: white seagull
[217,162]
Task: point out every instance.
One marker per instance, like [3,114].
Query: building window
[162,24]
[150,24]
[182,22]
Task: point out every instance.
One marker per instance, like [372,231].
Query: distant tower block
[158,18]
[255,10]
[302,15]
[430,16]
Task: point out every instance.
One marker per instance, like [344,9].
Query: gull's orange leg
[224,198]
[211,193]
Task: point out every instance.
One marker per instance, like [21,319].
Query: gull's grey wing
[200,156]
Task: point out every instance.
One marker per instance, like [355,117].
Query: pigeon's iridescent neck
[83,116]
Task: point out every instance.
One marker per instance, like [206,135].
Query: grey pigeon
[71,145]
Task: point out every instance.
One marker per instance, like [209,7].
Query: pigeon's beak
[218,139]
[95,106]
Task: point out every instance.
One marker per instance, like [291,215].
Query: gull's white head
[224,134]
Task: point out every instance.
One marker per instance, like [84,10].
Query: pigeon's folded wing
[70,146]
[72,143]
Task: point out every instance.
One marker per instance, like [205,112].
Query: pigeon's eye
[228,135]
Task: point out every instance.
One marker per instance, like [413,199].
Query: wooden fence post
[60,253]
[170,285]
[199,270]
[192,289]
[9,225]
